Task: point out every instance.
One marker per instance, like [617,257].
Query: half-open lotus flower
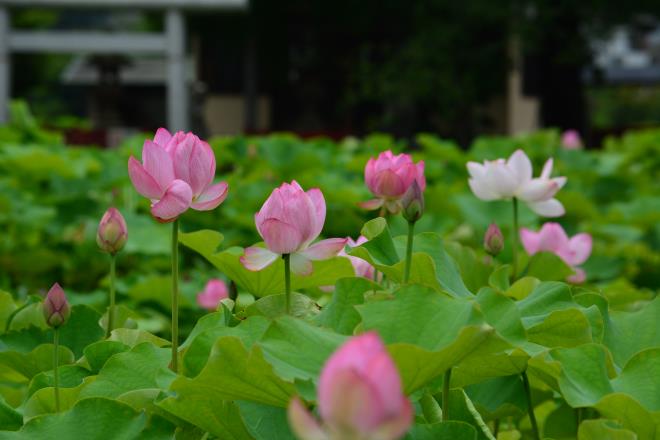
[176,173]
[214,292]
[289,221]
[389,177]
[552,238]
[503,179]
[359,396]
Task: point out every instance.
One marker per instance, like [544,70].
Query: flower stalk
[175,296]
[445,395]
[111,308]
[409,249]
[514,240]
[56,361]
[287,282]
[530,406]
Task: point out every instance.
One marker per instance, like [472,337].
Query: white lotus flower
[501,180]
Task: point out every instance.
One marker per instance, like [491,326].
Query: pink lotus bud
[360,396]
[289,221]
[552,238]
[214,292]
[503,179]
[56,307]
[112,233]
[493,240]
[571,140]
[176,173]
[412,203]
[389,177]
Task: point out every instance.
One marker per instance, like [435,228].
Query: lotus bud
[214,292]
[412,203]
[112,233]
[56,307]
[493,240]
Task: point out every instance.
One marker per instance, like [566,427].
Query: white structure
[171,43]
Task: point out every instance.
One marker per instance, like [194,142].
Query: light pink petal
[537,190]
[182,147]
[142,181]
[303,424]
[397,426]
[370,173]
[162,137]
[559,181]
[389,184]
[547,168]
[213,196]
[157,163]
[174,202]
[579,277]
[273,207]
[325,249]
[281,237]
[553,238]
[299,210]
[316,196]
[372,204]
[547,208]
[530,240]
[384,377]
[421,178]
[501,180]
[256,258]
[476,170]
[301,265]
[202,166]
[580,248]
[214,292]
[521,166]
[482,190]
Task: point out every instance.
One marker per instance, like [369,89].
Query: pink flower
[362,268]
[112,232]
[500,179]
[289,221]
[56,307]
[552,238]
[571,140]
[389,177]
[214,291]
[176,173]
[359,396]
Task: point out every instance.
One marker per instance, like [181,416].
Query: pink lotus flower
[359,397]
[389,177]
[112,233]
[176,173]
[571,140]
[56,307]
[362,268]
[214,292]
[289,221]
[552,238]
[500,179]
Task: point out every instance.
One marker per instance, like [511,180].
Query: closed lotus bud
[493,240]
[214,292]
[412,203]
[56,307]
[112,233]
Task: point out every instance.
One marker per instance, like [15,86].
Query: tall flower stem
[56,361]
[111,308]
[514,240]
[175,296]
[409,249]
[530,406]
[445,395]
[287,281]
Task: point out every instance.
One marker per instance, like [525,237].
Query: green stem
[56,361]
[530,406]
[514,239]
[496,427]
[111,309]
[175,296]
[445,395]
[409,249]
[287,281]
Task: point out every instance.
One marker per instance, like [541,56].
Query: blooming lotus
[112,232]
[362,268]
[176,173]
[571,140]
[359,396]
[56,307]
[500,179]
[214,292]
[389,177]
[552,238]
[289,221]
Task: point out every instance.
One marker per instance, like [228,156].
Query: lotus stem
[111,308]
[409,249]
[287,281]
[56,361]
[445,395]
[530,406]
[514,240]
[175,296]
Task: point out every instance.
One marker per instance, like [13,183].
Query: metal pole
[177,90]
[4,65]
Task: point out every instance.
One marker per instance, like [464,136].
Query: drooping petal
[325,249]
[281,237]
[530,240]
[257,258]
[521,166]
[157,163]
[212,196]
[142,181]
[580,248]
[301,265]
[578,277]
[537,190]
[372,204]
[303,424]
[162,137]
[174,202]
[547,208]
